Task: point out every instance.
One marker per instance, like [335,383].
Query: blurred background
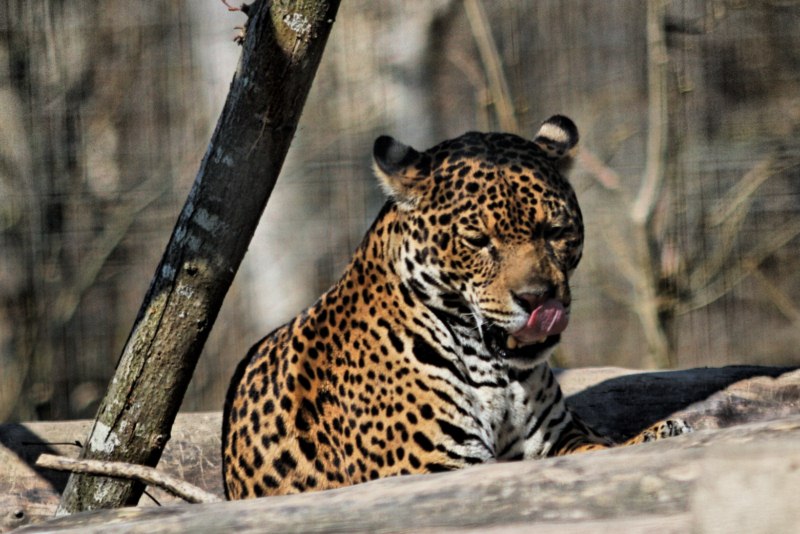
[689,177]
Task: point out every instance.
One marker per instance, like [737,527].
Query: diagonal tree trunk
[281,52]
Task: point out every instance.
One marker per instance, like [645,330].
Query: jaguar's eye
[478,240]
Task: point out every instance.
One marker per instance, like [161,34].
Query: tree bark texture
[282,49]
[620,401]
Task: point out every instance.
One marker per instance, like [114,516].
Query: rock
[747,430]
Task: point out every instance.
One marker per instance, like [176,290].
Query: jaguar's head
[489,230]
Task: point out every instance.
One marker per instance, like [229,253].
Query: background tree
[281,51]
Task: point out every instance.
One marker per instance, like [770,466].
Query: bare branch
[469,67]
[148,475]
[739,197]
[728,215]
[492,64]
[104,245]
[777,297]
[597,169]
[720,285]
[657,59]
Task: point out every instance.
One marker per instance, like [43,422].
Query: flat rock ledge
[738,472]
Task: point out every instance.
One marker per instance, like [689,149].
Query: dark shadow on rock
[28,446]
[623,406]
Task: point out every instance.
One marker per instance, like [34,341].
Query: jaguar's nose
[533,297]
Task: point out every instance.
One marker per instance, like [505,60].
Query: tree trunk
[282,50]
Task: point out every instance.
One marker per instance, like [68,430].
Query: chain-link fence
[689,176]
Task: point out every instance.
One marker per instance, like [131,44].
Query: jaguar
[430,353]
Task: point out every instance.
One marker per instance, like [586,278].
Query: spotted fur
[403,365]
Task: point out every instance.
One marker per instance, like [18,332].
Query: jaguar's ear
[401,170]
[558,137]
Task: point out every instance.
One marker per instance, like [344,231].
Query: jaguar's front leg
[578,437]
[663,429]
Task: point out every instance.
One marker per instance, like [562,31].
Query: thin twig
[722,283]
[148,475]
[597,169]
[657,58]
[777,297]
[105,244]
[728,215]
[230,7]
[740,196]
[468,66]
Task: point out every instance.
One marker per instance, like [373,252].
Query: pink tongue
[548,319]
